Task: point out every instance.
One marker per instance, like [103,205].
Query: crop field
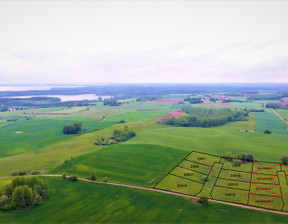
[256,183]
[139,115]
[134,164]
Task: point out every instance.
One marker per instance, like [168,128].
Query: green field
[26,135]
[143,160]
[81,202]
[271,122]
[139,115]
[217,141]
[140,165]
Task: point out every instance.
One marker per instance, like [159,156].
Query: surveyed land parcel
[254,183]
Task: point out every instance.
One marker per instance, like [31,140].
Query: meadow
[82,202]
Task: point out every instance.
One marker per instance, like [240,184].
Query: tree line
[23,193]
[201,117]
[193,100]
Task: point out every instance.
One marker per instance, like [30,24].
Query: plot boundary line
[257,173]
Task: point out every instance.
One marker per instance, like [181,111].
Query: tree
[4,200]
[23,193]
[93,176]
[249,157]
[73,128]
[284,160]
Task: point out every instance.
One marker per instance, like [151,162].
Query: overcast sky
[143,41]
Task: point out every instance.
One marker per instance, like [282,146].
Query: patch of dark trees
[41,102]
[201,117]
[23,193]
[111,102]
[275,106]
[73,128]
[193,100]
[232,100]
[119,135]
[254,110]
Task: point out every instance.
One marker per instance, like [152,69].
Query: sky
[90,42]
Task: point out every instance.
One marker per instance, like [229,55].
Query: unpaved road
[162,191]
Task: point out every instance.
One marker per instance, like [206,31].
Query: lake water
[67,97]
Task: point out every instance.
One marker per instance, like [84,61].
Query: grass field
[81,202]
[140,165]
[135,115]
[26,135]
[271,122]
[53,155]
[217,141]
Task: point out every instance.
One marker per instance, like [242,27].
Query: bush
[284,160]
[203,200]
[267,131]
[22,173]
[64,175]
[35,172]
[73,178]
[93,176]
[14,173]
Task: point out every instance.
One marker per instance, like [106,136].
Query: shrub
[35,172]
[284,160]
[14,173]
[73,177]
[203,200]
[267,131]
[64,175]
[93,176]
[22,173]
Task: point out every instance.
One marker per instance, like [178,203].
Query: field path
[275,112]
[160,191]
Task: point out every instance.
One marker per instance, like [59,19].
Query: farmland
[80,202]
[157,158]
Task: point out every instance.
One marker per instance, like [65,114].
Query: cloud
[240,62]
